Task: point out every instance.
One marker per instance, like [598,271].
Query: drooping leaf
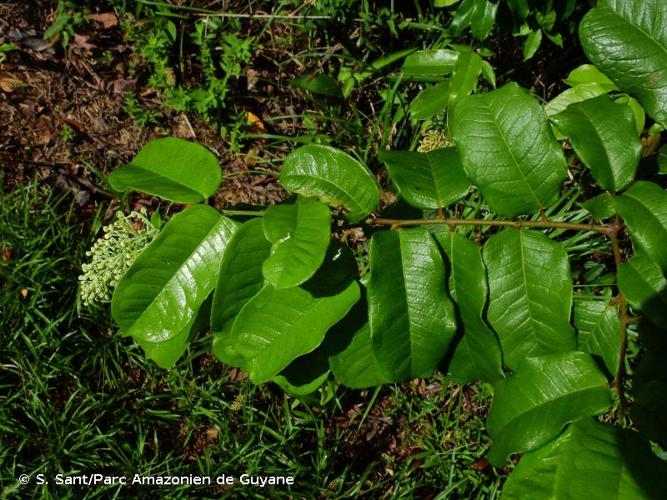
[644,286]
[429,64]
[530,294]
[603,135]
[171,168]
[507,149]
[161,293]
[239,279]
[427,180]
[300,234]
[627,41]
[411,318]
[598,327]
[477,354]
[318,84]
[662,160]
[278,325]
[430,102]
[601,207]
[466,72]
[532,407]
[590,460]
[644,211]
[334,177]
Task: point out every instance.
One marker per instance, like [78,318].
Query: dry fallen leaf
[106,19]
[82,41]
[8,84]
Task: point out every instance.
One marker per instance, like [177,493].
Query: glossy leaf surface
[530,294]
[300,237]
[508,150]
[165,287]
[334,177]
[411,317]
[644,211]
[644,286]
[590,460]
[477,354]
[627,41]
[427,180]
[598,327]
[603,135]
[171,168]
[532,407]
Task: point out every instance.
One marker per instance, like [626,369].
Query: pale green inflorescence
[433,139]
[113,254]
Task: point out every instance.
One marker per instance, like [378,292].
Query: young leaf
[532,43]
[598,325]
[427,180]
[590,460]
[430,102]
[300,234]
[644,286]
[578,93]
[171,168]
[588,73]
[411,317]
[239,279]
[508,150]
[466,72]
[278,325]
[334,177]
[603,135]
[627,41]
[644,211]
[484,14]
[532,407]
[477,354]
[530,294]
[429,64]
[163,290]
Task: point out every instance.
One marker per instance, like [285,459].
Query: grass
[78,399]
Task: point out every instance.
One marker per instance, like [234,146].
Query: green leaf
[532,407]
[239,279]
[161,293]
[530,294]
[477,354]
[430,102]
[532,43]
[318,84]
[171,168]
[627,41]
[300,234]
[278,325]
[411,317]
[601,207]
[598,327]
[662,160]
[352,360]
[603,135]
[334,177]
[466,72]
[644,211]
[507,149]
[429,64]
[588,73]
[649,385]
[483,17]
[590,460]
[579,93]
[644,286]
[444,3]
[427,180]
[488,73]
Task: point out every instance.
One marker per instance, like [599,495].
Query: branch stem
[517,224]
